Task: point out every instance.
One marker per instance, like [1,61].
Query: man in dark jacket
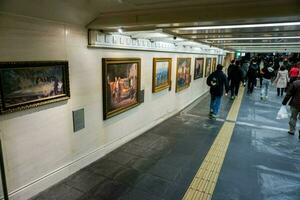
[236,77]
[230,66]
[293,93]
[217,81]
[267,74]
[252,75]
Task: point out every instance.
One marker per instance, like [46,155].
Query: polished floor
[262,161]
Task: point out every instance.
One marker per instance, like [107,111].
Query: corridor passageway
[262,161]
[109,99]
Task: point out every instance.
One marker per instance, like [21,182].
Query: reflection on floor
[262,162]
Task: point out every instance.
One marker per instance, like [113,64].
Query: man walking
[236,77]
[252,75]
[293,93]
[217,81]
[267,75]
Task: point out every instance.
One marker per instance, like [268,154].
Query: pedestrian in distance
[252,75]
[294,73]
[267,74]
[236,77]
[293,97]
[232,63]
[217,81]
[281,80]
[245,67]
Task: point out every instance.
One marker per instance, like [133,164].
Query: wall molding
[97,39]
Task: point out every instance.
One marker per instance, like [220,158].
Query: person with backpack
[217,81]
[236,77]
[267,74]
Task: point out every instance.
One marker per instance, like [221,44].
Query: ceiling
[193,20]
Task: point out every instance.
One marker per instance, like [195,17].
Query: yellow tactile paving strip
[205,180]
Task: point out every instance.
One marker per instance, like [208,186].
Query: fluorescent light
[253,47]
[255,38]
[120,30]
[269,43]
[240,26]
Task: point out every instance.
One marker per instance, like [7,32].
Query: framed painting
[121,85]
[161,74]
[214,64]
[207,67]
[198,71]
[183,76]
[25,85]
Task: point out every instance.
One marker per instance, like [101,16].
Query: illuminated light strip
[240,26]
[205,180]
[256,38]
[270,43]
[283,47]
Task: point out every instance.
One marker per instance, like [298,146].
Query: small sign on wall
[78,120]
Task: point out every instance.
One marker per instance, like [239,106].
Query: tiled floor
[159,164]
[262,161]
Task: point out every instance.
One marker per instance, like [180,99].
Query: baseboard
[46,181]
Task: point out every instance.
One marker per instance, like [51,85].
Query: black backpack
[213,80]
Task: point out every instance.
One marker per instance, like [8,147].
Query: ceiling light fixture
[265,46]
[240,26]
[258,43]
[256,38]
[120,30]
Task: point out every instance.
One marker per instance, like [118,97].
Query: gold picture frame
[121,85]
[30,84]
[183,73]
[207,67]
[161,78]
[199,68]
[214,64]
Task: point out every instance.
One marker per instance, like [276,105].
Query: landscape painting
[183,76]
[121,85]
[161,74]
[207,67]
[29,84]
[198,71]
[214,64]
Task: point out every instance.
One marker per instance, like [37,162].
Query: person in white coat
[281,80]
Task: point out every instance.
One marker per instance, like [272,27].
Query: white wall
[40,147]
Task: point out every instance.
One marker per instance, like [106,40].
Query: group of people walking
[283,75]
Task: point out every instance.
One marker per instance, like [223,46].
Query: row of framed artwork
[162,72]
[121,80]
[30,84]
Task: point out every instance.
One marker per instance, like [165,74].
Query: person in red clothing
[294,73]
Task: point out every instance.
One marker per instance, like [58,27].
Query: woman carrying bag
[281,80]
